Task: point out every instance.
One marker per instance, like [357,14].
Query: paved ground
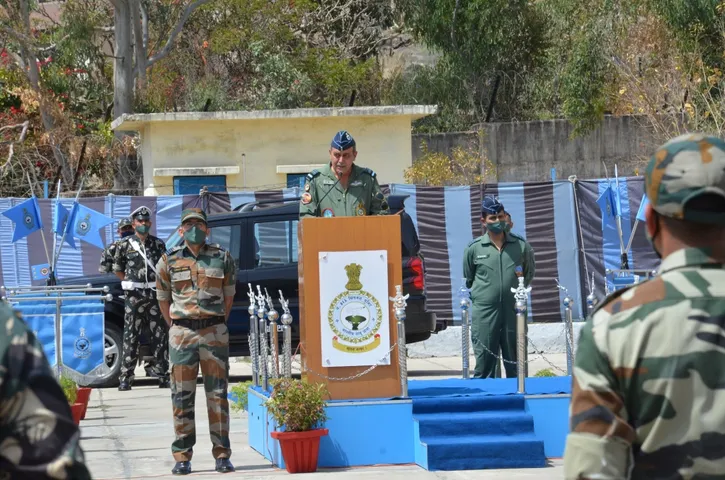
[128,435]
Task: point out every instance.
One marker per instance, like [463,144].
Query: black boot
[182,468]
[124,386]
[223,465]
[164,382]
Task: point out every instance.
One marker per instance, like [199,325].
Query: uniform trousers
[194,344]
[142,309]
[493,327]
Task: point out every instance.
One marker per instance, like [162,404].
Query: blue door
[192,184]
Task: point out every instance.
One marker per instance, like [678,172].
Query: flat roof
[135,121]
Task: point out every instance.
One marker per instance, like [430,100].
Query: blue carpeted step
[471,403]
[495,422]
[489,451]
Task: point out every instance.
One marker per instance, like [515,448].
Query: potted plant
[298,408]
[70,389]
[84,396]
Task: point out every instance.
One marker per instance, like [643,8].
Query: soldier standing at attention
[134,263]
[125,228]
[492,264]
[38,438]
[341,188]
[196,287]
[647,388]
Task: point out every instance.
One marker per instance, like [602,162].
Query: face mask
[195,235]
[496,227]
[142,229]
[652,239]
[507,228]
[126,233]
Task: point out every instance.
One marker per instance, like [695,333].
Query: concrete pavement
[127,435]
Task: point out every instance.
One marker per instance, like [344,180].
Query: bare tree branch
[140,51]
[175,32]
[11,148]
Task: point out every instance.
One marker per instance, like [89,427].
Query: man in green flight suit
[341,188]
[492,264]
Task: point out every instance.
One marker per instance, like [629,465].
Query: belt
[128,285]
[200,322]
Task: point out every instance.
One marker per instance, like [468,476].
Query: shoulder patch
[368,171]
[312,175]
[215,245]
[175,249]
[473,241]
[649,291]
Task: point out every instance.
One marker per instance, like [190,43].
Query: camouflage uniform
[109,252]
[141,305]
[197,287]
[38,438]
[648,397]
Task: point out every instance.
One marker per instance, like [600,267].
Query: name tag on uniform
[214,272]
[181,275]
[483,257]
[328,182]
[356,183]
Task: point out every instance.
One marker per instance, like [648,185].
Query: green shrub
[70,389]
[297,405]
[240,390]
[547,372]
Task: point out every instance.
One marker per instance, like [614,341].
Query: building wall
[383,144]
[527,151]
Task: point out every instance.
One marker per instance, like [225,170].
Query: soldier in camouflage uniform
[342,189]
[196,286]
[125,229]
[648,394]
[38,438]
[134,263]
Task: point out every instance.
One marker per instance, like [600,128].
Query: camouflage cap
[124,222]
[682,169]
[190,213]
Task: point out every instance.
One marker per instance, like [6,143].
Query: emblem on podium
[355,316]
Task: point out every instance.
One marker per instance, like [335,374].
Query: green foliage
[70,388]
[462,167]
[240,390]
[547,372]
[296,405]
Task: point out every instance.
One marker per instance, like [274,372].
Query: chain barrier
[538,353]
[346,379]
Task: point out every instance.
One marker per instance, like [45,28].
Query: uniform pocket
[211,279]
[181,279]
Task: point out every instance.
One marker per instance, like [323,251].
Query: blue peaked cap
[491,206]
[342,141]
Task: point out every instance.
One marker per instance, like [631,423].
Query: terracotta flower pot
[84,395]
[77,410]
[300,450]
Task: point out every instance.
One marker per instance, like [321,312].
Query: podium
[348,270]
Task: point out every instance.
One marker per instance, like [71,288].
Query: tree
[464,166]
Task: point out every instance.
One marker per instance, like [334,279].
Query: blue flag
[60,221]
[26,217]
[607,205]
[642,207]
[40,272]
[85,224]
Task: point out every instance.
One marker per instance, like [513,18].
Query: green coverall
[323,195]
[490,274]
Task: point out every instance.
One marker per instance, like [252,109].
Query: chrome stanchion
[568,326]
[521,294]
[400,303]
[287,337]
[272,316]
[253,335]
[591,298]
[261,311]
[465,295]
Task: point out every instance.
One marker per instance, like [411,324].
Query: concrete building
[255,150]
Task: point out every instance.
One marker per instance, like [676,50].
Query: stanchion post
[58,342]
[253,335]
[399,304]
[521,294]
[272,316]
[569,326]
[287,337]
[261,311]
[465,296]
[591,298]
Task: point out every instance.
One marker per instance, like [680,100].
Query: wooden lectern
[343,234]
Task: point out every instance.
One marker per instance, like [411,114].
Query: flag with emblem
[26,218]
[85,223]
[607,206]
[40,272]
[60,221]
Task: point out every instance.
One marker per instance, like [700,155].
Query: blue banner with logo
[82,337]
[40,318]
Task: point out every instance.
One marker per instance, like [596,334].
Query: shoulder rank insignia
[312,175]
[369,172]
[473,241]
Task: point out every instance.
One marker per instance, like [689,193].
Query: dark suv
[270,229]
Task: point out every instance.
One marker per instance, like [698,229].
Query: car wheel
[113,347]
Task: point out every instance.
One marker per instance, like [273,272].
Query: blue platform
[449,424]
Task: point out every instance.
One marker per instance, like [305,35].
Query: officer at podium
[341,188]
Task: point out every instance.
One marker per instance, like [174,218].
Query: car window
[229,237]
[276,243]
